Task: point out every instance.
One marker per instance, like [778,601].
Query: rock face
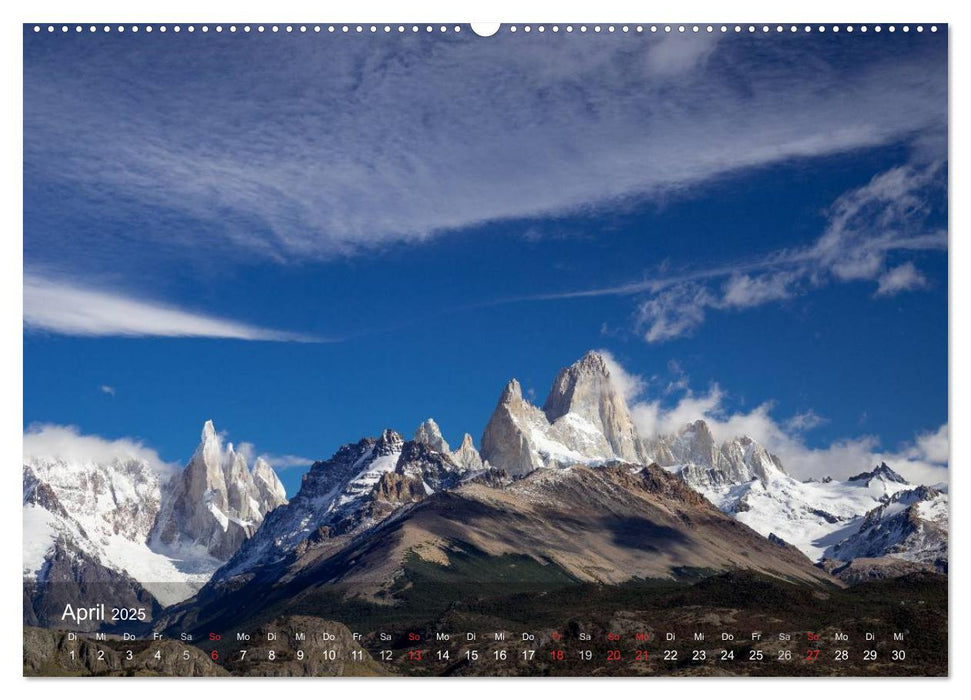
[466,456]
[268,486]
[357,488]
[708,465]
[122,530]
[429,434]
[881,475]
[742,478]
[876,516]
[507,440]
[585,420]
[604,524]
[216,502]
[86,526]
[587,390]
[76,577]
[912,525]
[571,483]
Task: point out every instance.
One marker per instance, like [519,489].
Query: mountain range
[126,529]
[568,491]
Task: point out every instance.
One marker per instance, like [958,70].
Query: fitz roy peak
[585,420]
[587,390]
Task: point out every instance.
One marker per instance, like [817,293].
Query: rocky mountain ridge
[585,420]
[121,526]
[235,499]
[354,490]
[223,524]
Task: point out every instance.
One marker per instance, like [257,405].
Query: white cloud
[285,461]
[742,291]
[675,54]
[865,226]
[922,460]
[69,309]
[47,441]
[105,389]
[679,378]
[651,419]
[933,446]
[807,420]
[866,222]
[675,311]
[393,141]
[900,279]
[629,385]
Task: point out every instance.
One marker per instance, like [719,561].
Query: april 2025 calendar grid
[431,350]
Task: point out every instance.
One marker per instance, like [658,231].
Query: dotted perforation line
[247,28]
[513,28]
[710,28]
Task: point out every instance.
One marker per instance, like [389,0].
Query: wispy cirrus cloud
[337,148]
[67,308]
[900,279]
[865,227]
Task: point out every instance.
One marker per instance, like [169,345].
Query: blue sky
[308,238]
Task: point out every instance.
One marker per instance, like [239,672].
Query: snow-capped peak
[428,433]
[215,502]
[390,441]
[881,473]
[707,465]
[912,524]
[586,390]
[360,485]
[742,478]
[585,420]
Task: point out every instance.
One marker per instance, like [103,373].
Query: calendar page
[498,350]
